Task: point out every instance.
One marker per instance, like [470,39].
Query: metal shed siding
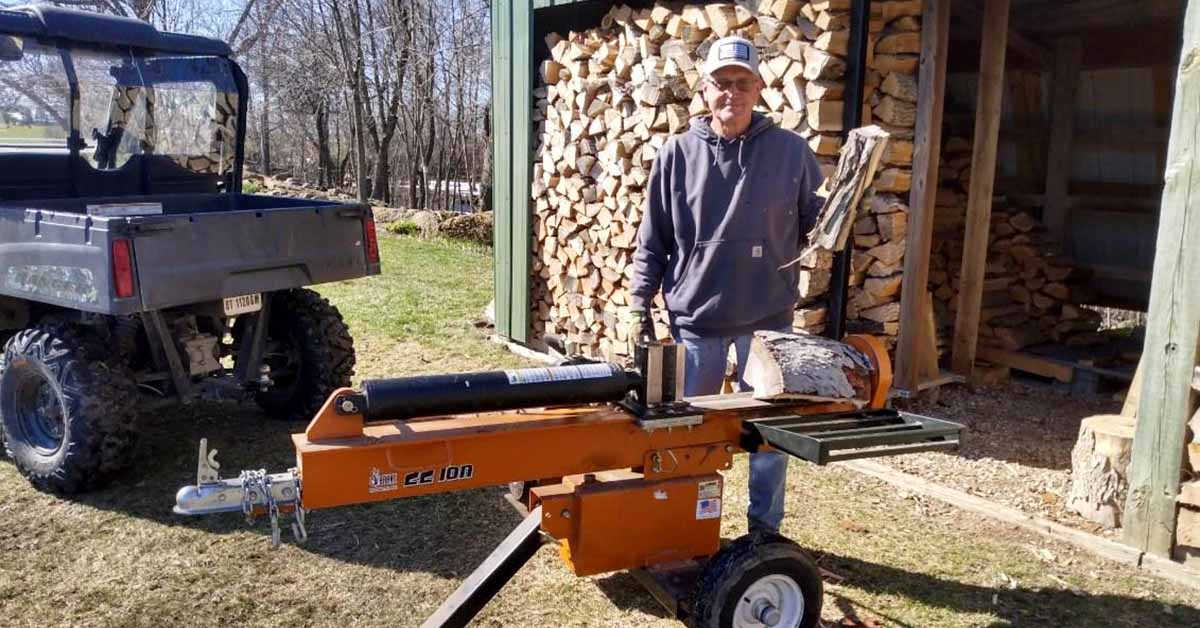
[512,70]
[501,162]
[1118,98]
[1117,246]
[522,168]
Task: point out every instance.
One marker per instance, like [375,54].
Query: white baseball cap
[729,51]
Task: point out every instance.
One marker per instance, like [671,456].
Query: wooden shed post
[1174,326]
[931,89]
[983,175]
[1068,55]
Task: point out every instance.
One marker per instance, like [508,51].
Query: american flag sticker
[708,509]
[734,50]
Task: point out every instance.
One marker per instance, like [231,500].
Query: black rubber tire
[520,491]
[4,337]
[310,352]
[738,565]
[69,414]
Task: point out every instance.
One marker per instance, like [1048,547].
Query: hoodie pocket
[731,283]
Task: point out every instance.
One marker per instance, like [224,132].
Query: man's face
[731,93]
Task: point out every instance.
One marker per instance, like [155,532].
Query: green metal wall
[511,21]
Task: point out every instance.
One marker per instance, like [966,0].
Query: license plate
[243,305]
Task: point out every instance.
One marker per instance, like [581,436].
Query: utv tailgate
[192,258]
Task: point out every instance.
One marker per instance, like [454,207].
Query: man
[728,203]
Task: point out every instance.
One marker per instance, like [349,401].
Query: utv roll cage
[149,57]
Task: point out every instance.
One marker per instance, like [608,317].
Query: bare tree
[393,91]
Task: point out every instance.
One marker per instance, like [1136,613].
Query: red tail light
[371,240]
[122,261]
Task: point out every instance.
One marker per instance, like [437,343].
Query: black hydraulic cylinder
[435,395]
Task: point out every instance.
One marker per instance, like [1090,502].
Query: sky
[213,18]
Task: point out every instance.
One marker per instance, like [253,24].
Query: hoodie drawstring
[720,144]
[701,126]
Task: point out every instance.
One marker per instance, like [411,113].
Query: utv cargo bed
[198,249]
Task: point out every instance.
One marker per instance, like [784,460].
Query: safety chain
[298,531]
[255,483]
[250,480]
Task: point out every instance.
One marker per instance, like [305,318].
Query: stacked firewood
[220,131]
[1031,292]
[609,97]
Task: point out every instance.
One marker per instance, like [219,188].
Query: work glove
[639,328]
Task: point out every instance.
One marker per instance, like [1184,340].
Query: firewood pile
[289,186]
[1031,292]
[609,97]
[221,128]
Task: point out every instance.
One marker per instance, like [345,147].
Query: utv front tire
[310,353]
[68,415]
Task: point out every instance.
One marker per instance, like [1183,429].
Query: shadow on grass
[626,593]
[447,535]
[1020,606]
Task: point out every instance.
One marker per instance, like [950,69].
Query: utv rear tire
[68,414]
[310,352]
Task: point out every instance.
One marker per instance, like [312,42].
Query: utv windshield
[183,109]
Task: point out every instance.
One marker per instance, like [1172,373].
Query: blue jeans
[703,374]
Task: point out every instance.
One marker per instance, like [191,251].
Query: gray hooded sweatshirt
[720,218]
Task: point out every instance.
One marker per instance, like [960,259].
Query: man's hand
[639,327]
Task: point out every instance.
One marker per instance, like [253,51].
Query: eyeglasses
[727,85]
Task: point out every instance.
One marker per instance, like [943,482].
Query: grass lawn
[418,316]
[36,134]
[118,557]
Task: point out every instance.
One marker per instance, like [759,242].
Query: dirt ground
[1017,450]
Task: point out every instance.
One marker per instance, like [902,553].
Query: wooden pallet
[1084,379]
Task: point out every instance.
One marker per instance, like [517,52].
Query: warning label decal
[558,374]
[709,488]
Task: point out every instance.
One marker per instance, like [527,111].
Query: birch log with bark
[807,366]
[855,171]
